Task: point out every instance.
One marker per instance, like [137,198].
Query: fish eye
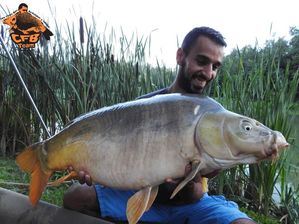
[246,126]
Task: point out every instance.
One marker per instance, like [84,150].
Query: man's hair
[192,36]
[23,4]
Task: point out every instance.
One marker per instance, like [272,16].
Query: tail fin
[47,34]
[29,161]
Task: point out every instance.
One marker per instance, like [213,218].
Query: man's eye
[215,67]
[202,62]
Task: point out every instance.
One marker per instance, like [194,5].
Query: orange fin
[153,195]
[70,176]
[140,202]
[29,161]
[28,158]
[196,165]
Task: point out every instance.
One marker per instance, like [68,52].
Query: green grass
[11,173]
[260,218]
[12,178]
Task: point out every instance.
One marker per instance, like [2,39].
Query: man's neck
[175,88]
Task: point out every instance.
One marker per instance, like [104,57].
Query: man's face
[23,9]
[200,66]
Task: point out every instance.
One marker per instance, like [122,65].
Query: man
[199,58]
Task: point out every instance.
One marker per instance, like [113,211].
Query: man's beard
[187,82]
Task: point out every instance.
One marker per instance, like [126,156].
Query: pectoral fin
[140,202]
[195,168]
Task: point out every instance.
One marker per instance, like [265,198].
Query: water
[293,162]
[293,158]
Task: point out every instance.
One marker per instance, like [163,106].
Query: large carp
[139,144]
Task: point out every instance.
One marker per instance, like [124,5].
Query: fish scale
[145,135]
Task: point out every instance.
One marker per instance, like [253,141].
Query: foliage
[13,179]
[260,218]
[293,53]
[69,79]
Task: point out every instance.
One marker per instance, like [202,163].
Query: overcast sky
[241,22]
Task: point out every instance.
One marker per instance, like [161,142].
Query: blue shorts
[209,209]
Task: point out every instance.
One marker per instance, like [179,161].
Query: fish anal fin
[70,176]
[138,204]
[153,195]
[196,165]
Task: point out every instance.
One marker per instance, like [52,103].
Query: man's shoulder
[157,92]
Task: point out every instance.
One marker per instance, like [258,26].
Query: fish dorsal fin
[140,202]
[195,168]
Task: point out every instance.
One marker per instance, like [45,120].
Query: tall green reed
[68,77]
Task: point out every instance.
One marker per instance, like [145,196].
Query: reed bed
[67,78]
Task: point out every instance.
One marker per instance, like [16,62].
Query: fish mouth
[278,145]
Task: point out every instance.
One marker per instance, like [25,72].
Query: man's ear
[180,56]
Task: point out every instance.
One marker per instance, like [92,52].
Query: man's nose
[208,71]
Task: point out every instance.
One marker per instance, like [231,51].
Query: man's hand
[83,177]
[196,179]
[190,193]
[188,169]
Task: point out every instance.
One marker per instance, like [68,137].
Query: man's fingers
[197,178]
[188,169]
[88,180]
[70,168]
[84,178]
[81,175]
[171,181]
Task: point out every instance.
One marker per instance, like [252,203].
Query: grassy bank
[12,178]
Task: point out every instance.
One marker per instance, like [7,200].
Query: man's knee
[81,198]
